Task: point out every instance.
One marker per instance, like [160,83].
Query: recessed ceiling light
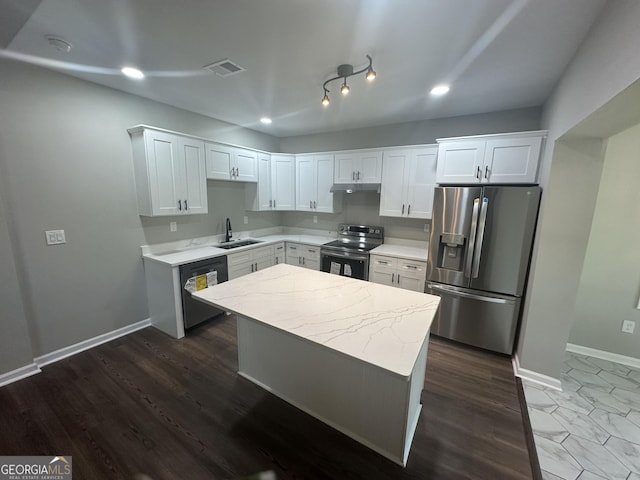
[439,89]
[132,73]
[266,120]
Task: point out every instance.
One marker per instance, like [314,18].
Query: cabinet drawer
[311,253]
[383,264]
[412,269]
[239,258]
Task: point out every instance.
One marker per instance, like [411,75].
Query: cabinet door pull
[478,173]
[303,260]
[353,175]
[180,205]
[398,279]
[310,204]
[186,207]
[256,266]
[274,204]
[392,278]
[402,209]
[358,178]
[486,171]
[315,204]
[252,267]
[276,259]
[409,210]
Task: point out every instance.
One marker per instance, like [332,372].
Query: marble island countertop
[381,325]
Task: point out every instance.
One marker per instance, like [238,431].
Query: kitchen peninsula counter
[349,352]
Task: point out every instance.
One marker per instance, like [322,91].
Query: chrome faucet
[228,234]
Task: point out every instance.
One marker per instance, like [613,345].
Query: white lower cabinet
[398,272]
[249,261]
[302,255]
[279,253]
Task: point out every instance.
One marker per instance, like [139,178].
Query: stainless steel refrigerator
[479,253]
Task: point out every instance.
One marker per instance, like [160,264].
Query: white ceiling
[497,54]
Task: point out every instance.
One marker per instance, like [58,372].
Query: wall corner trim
[19,374]
[65,352]
[534,377]
[612,357]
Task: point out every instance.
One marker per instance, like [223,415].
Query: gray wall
[606,63]
[360,208]
[416,133]
[608,290]
[68,165]
[15,345]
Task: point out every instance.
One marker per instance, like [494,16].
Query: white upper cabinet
[283,182]
[275,189]
[170,173]
[358,167]
[408,181]
[490,159]
[231,163]
[314,178]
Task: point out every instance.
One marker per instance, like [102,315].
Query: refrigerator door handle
[459,293]
[481,226]
[472,238]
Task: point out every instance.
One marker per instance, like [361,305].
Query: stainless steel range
[349,255]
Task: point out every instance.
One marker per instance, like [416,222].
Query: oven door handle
[346,256]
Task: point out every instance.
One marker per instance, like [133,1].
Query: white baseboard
[534,377]
[612,357]
[90,343]
[19,374]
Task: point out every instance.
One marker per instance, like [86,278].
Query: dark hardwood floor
[176,409]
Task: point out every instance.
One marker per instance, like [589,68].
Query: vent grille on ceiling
[224,68]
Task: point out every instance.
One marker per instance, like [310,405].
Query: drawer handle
[392,277]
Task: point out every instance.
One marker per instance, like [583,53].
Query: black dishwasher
[195,311]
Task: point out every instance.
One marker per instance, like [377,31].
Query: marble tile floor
[590,430]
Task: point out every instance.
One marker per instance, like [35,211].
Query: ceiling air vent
[224,68]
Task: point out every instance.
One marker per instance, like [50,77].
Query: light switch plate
[628,326]
[55,237]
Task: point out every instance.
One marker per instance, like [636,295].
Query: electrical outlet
[173,226]
[628,326]
[246,220]
[315,219]
[55,237]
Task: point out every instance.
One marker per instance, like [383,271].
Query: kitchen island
[349,352]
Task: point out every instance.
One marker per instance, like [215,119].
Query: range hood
[355,187]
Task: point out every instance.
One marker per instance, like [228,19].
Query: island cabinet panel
[371,405]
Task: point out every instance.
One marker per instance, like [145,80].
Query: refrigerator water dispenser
[451,251]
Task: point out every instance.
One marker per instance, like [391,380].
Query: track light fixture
[345,71]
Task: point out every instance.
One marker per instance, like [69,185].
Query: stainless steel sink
[236,244]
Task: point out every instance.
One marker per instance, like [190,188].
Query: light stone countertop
[381,325]
[401,251]
[202,252]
